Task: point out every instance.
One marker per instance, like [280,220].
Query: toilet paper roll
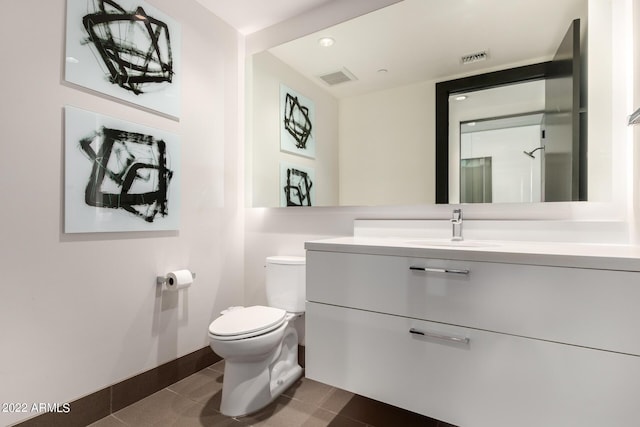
[179,279]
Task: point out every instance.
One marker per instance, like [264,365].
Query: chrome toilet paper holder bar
[161,280]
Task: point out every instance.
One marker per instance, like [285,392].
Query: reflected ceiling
[420,40]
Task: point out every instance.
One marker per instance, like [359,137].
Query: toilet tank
[285,283]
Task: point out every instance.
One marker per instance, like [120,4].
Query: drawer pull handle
[440,270]
[453,338]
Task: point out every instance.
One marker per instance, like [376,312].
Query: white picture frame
[119,176]
[126,49]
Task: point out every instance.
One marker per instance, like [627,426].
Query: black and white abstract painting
[126,49]
[119,176]
[297,185]
[297,121]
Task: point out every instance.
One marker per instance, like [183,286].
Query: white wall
[386,141]
[81,312]
[268,72]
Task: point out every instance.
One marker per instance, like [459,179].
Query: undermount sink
[451,243]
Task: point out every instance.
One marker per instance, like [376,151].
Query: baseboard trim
[102,403]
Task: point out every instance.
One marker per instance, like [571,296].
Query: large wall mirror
[354,123]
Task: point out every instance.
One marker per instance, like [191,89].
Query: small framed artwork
[297,121]
[119,176]
[296,185]
[126,49]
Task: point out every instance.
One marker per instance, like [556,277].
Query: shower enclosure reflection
[504,148]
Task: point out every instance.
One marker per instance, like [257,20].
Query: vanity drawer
[591,308]
[493,380]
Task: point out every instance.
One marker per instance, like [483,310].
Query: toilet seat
[247,322]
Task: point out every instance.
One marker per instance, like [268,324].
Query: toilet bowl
[260,344]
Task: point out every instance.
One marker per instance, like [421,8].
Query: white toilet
[260,344]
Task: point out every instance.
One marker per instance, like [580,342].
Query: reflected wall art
[296,185]
[297,121]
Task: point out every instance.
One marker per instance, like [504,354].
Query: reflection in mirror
[498,124]
[375,132]
[502,123]
[499,160]
[550,94]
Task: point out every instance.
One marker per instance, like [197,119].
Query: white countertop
[576,255]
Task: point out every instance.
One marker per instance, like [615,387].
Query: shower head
[530,153]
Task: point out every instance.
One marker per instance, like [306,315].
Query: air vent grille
[337,77]
[474,57]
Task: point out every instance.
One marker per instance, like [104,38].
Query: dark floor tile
[199,415]
[336,400]
[109,421]
[162,408]
[195,401]
[326,418]
[308,391]
[287,412]
[218,366]
[380,414]
[200,387]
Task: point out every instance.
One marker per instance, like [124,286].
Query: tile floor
[195,401]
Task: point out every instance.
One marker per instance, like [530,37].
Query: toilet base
[249,386]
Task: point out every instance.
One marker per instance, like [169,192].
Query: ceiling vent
[337,77]
[474,57]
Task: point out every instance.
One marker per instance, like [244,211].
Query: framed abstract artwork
[296,185]
[126,49]
[119,176]
[297,121]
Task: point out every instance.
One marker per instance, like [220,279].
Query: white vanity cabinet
[476,343]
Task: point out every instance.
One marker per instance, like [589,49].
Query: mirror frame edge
[467,84]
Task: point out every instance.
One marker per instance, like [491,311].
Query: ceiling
[249,16]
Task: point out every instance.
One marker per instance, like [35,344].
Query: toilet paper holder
[161,280]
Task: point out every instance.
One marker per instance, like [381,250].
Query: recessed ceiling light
[383,70]
[326,41]
[460,97]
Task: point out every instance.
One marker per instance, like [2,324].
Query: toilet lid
[247,321]
[286,259]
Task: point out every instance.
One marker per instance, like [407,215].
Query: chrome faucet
[456,223]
